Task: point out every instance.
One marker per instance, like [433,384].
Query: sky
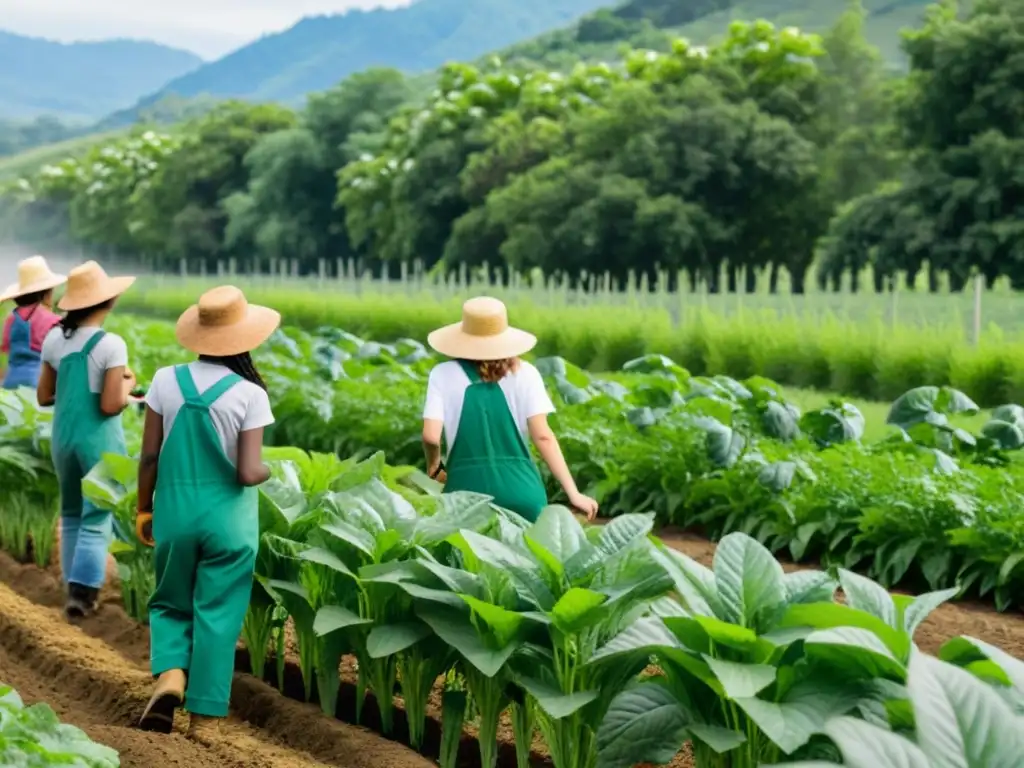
[209,28]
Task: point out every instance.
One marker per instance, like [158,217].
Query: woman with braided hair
[198,505]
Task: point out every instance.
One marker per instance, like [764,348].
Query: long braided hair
[241,364]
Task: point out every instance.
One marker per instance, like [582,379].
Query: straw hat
[34,276]
[223,323]
[89,285]
[483,334]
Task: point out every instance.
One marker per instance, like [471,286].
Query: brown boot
[167,697]
[204,729]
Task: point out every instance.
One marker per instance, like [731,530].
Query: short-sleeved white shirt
[109,352]
[446,389]
[243,407]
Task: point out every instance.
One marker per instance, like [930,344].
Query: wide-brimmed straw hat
[89,285]
[483,334]
[34,276]
[223,323]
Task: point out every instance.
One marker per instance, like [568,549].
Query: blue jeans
[83,547]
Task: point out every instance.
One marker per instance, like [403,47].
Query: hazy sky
[210,28]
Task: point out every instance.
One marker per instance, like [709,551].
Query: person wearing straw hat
[484,402]
[85,376]
[198,505]
[26,327]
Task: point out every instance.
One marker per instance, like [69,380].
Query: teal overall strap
[471,371]
[186,384]
[90,345]
[210,396]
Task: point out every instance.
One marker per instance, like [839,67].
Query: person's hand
[144,528]
[583,504]
[129,380]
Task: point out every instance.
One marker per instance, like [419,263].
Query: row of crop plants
[864,358]
[929,507]
[559,624]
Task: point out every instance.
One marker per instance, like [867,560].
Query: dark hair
[30,298]
[74,318]
[241,364]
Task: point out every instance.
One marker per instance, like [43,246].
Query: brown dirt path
[93,686]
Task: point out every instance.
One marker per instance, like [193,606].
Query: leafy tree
[180,213]
[960,200]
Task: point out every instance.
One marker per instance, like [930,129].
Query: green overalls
[82,433]
[206,528]
[490,455]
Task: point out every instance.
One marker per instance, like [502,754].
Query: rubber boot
[203,729]
[167,697]
[81,602]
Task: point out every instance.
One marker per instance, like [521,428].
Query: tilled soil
[95,677]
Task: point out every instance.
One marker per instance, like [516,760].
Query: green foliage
[956,205]
[33,736]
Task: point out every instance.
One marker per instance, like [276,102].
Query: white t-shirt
[446,389]
[109,352]
[243,407]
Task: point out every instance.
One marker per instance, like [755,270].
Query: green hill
[652,23]
[81,81]
[319,51]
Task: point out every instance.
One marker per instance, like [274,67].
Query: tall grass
[872,346]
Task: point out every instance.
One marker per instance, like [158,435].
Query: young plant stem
[256,631]
[453,715]
[489,694]
[522,728]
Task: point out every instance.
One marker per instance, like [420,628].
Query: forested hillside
[654,23]
[81,81]
[773,151]
[319,51]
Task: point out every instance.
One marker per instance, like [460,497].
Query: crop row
[867,359]
[557,624]
[931,506]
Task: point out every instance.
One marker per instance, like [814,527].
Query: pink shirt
[41,323]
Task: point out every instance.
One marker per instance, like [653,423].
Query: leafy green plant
[113,485]
[34,736]
[755,661]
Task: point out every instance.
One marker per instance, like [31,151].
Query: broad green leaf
[455,629]
[809,587]
[832,615]
[503,623]
[388,639]
[572,610]
[866,595]
[322,556]
[553,701]
[644,724]
[922,605]
[803,711]
[699,633]
[647,635]
[355,537]
[867,746]
[623,531]
[462,510]
[559,532]
[741,680]
[749,579]
[853,648]
[1011,666]
[694,583]
[720,739]
[961,722]
[332,618]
